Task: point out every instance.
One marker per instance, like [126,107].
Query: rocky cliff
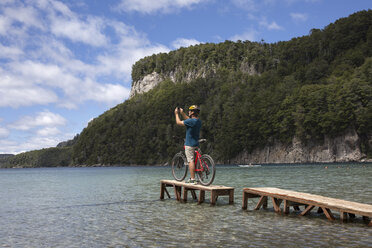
[181,75]
[344,148]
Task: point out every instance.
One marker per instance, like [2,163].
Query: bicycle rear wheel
[179,166]
[206,170]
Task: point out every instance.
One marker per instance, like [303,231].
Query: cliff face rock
[149,81]
[345,148]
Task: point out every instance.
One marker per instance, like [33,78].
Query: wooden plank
[195,186]
[307,210]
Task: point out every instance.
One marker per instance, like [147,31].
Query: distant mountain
[303,100]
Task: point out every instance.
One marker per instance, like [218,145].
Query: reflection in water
[120,207]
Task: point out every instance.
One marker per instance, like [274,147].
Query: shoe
[191,181]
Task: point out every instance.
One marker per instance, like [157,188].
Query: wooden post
[245,200]
[213,197]
[185,194]
[201,196]
[177,192]
[343,216]
[275,204]
[162,188]
[231,196]
[286,207]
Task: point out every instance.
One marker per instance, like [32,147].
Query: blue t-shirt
[193,126]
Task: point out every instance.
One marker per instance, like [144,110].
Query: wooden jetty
[181,189]
[295,199]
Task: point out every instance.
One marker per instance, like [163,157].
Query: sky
[65,62]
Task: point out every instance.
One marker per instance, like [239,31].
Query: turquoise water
[120,207]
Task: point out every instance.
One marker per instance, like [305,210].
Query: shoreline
[219,164]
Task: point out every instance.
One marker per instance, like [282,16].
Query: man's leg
[192,170]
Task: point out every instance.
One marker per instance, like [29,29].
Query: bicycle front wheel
[179,166]
[206,170]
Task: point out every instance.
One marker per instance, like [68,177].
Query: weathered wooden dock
[347,209]
[181,189]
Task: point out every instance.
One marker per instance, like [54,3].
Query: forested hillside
[251,94]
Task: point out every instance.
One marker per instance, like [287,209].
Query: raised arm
[183,114]
[178,121]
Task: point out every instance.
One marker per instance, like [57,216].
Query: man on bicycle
[193,125]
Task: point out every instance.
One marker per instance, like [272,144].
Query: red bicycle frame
[198,157]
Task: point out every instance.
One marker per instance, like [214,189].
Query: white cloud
[33,143]
[182,42]
[42,119]
[48,71]
[53,57]
[48,131]
[299,16]
[3,133]
[88,32]
[16,92]
[250,35]
[151,6]
[5,23]
[270,26]
[26,15]
[11,52]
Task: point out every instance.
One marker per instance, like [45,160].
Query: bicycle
[205,168]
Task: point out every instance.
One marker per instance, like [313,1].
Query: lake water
[120,207]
